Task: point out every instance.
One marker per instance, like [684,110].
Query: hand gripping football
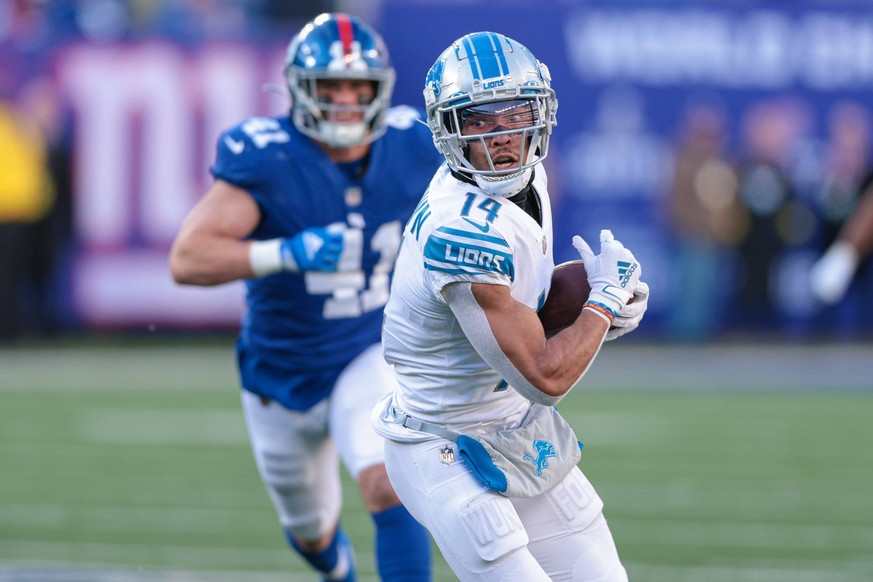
[568,294]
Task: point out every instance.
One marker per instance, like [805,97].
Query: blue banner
[778,87]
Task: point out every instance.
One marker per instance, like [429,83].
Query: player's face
[503,149]
[340,93]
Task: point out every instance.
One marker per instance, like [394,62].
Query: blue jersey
[301,329]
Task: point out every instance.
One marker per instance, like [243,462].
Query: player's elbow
[557,382]
[184,270]
[540,383]
[553,387]
[181,273]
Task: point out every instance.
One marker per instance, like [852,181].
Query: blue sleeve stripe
[455,270]
[449,270]
[465,234]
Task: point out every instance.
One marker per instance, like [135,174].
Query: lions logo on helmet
[338,46]
[435,77]
[489,73]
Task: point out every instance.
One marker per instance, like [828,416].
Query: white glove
[831,274]
[613,275]
[630,315]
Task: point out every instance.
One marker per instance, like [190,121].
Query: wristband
[265,257]
[600,309]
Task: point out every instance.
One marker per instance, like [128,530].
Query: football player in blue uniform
[309,209]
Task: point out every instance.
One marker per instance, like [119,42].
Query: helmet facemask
[317,118]
[488,75]
[497,143]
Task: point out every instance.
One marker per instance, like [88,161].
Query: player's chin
[348,119]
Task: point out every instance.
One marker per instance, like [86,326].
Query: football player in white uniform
[468,349]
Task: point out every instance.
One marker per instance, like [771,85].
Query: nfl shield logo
[447,455]
[354,196]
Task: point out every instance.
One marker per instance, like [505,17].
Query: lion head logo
[544,451]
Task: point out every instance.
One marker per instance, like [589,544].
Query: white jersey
[459,233]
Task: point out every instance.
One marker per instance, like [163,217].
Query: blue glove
[313,249]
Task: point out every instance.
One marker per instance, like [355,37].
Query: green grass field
[717,463]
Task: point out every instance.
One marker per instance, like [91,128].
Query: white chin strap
[342,134]
[504,186]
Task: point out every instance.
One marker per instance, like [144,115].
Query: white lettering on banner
[143,185]
[147,119]
[620,158]
[760,49]
[615,167]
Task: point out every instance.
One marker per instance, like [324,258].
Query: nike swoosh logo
[236,147]
[484,228]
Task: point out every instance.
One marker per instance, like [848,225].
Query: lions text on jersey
[302,329]
[459,233]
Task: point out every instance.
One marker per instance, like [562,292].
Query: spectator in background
[706,219]
[42,101]
[846,203]
[775,218]
[27,196]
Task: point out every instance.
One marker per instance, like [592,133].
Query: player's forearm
[553,366]
[570,353]
[859,229]
[510,338]
[477,329]
[209,261]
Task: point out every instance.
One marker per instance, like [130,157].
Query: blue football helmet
[338,46]
[482,74]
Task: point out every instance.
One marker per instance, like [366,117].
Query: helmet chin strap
[504,186]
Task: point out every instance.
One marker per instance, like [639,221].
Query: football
[568,294]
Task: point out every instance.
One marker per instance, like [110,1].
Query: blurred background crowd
[724,142]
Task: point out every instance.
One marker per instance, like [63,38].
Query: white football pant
[296,452]
[560,535]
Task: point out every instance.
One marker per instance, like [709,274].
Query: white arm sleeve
[474,323]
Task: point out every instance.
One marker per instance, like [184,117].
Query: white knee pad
[575,501]
[297,463]
[493,526]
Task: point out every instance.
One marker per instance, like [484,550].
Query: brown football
[568,294]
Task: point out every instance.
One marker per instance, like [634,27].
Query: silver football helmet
[338,46]
[496,86]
